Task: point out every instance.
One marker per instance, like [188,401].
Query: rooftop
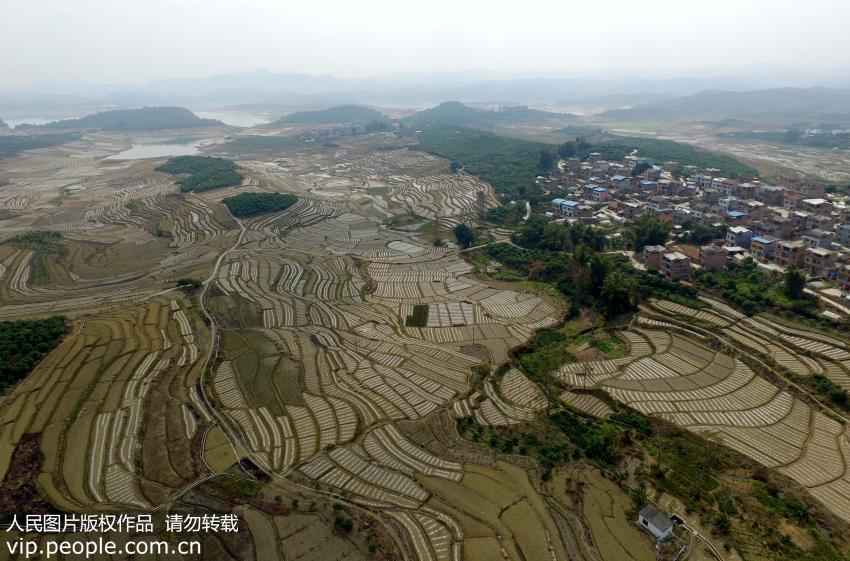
[656,518]
[762,239]
[675,256]
[822,251]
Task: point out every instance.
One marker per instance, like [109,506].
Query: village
[793,224]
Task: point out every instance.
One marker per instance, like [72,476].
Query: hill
[341,114]
[146,118]
[3,125]
[456,113]
[787,103]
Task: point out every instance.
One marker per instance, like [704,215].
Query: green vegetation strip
[43,242]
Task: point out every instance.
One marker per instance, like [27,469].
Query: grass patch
[244,489]
[378,191]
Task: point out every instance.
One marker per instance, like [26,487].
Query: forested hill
[780,102]
[146,118]
[456,113]
[341,114]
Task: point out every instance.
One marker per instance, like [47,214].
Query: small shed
[656,522]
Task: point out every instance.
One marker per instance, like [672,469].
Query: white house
[655,522]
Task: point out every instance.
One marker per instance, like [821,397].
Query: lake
[235,118]
[157,148]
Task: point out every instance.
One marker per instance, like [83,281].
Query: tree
[639,495]
[648,229]
[536,268]
[618,294]
[795,282]
[546,160]
[464,235]
[640,168]
[454,167]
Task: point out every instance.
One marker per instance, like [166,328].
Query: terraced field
[673,372]
[294,362]
[330,290]
[115,378]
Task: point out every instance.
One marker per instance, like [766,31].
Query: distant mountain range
[3,125]
[410,90]
[456,113]
[339,114]
[778,103]
[146,118]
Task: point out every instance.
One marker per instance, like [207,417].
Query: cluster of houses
[794,223]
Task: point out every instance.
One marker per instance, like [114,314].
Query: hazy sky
[134,41]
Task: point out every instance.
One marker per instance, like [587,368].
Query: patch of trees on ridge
[202,173]
[23,343]
[251,204]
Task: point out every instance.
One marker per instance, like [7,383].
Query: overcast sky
[135,41]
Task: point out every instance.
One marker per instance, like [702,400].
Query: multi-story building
[782,227]
[756,209]
[652,255]
[565,208]
[743,190]
[736,217]
[801,220]
[844,277]
[681,216]
[816,206]
[738,236]
[598,194]
[790,201]
[762,247]
[818,238]
[820,222]
[621,182]
[702,181]
[711,196]
[789,253]
[819,262]
[630,209]
[712,257]
[842,234]
[676,266]
[770,195]
[657,203]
